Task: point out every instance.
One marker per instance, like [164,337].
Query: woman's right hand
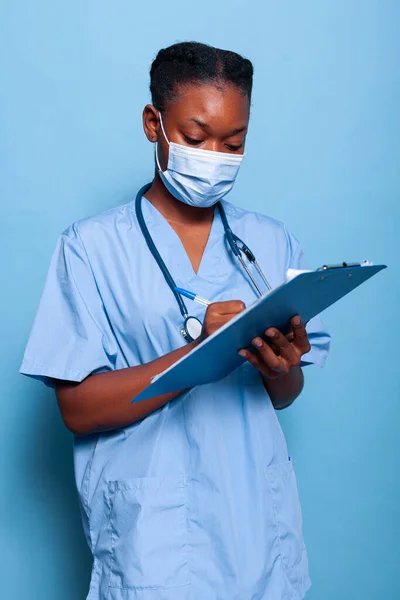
[217,314]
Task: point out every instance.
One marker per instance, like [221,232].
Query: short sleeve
[67,340]
[317,334]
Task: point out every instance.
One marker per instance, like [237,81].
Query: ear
[151,122]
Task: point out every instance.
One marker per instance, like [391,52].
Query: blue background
[324,147]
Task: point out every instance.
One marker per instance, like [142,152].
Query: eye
[234,148]
[192,141]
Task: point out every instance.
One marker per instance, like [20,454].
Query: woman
[191,495]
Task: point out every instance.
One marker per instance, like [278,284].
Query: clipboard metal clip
[344,265]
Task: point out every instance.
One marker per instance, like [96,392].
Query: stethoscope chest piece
[191,329]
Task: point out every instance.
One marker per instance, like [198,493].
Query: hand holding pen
[217,313]
[273,358]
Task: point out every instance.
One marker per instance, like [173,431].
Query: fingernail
[243,353]
[296,321]
[270,333]
[257,342]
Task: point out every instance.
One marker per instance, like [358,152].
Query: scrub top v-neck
[173,249]
[198,501]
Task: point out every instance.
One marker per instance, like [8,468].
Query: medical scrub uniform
[198,501]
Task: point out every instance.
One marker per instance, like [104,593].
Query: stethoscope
[192,326]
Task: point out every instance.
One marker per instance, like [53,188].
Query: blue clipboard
[307,295]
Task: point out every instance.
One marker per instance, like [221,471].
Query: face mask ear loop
[162,127]
[167,140]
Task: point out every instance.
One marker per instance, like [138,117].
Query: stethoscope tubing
[153,249]
[232,239]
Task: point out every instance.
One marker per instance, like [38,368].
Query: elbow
[75,428]
[279,405]
[73,423]
[70,405]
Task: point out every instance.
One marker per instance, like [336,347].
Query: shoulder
[101,226]
[259,222]
[265,235]
[242,216]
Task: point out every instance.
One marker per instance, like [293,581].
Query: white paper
[292,273]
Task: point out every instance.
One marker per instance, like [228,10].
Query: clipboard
[306,294]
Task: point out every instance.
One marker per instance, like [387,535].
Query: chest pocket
[148,533]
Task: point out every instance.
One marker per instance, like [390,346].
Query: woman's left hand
[282,353]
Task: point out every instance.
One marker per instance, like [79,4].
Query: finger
[290,336]
[267,355]
[282,345]
[300,337]
[215,321]
[259,364]
[228,307]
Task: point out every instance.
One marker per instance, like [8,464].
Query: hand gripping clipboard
[307,295]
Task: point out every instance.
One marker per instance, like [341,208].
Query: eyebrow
[205,126]
[236,131]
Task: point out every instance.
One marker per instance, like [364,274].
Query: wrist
[192,345]
[283,390]
[293,372]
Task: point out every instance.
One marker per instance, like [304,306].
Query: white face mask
[198,177]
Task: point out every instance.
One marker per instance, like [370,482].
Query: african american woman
[190,495]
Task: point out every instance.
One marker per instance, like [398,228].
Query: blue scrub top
[198,501]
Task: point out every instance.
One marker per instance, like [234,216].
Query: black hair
[188,63]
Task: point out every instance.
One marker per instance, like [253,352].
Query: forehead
[210,103]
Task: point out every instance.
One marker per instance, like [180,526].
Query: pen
[192,296]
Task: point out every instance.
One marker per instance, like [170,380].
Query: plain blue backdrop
[324,147]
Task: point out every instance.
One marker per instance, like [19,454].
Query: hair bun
[186,62]
[184,52]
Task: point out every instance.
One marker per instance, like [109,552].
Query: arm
[284,390]
[101,402]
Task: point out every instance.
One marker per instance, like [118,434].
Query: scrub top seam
[115,338]
[94,281]
[32,367]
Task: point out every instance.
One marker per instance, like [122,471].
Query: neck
[175,210]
